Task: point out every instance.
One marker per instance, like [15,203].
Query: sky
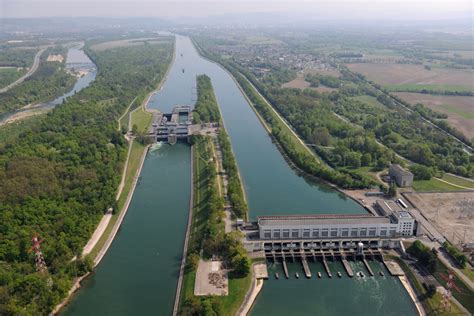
[335,9]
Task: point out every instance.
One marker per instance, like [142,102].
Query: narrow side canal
[77,59]
[139,273]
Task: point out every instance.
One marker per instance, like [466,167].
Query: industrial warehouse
[393,222]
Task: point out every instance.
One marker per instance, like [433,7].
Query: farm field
[409,74]
[460,110]
[300,83]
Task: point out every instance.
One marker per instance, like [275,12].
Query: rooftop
[321,219]
[400,169]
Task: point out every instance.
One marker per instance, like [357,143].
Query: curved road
[32,70]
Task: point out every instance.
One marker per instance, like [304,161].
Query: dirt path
[104,222]
[32,70]
[455,185]
[125,113]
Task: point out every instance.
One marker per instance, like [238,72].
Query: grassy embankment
[434,184]
[206,196]
[430,304]
[141,118]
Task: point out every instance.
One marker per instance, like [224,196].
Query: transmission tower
[39,258]
[446,301]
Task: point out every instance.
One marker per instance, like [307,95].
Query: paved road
[32,70]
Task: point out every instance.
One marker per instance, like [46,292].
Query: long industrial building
[393,222]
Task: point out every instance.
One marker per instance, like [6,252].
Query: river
[157,217]
[76,59]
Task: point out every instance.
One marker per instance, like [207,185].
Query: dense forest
[49,81]
[59,176]
[17,57]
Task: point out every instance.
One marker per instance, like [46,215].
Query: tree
[366,159]
[421,172]
[392,189]
[134,129]
[321,136]
[424,254]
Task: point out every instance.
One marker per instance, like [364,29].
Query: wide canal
[139,275]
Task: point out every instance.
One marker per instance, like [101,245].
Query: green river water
[139,273]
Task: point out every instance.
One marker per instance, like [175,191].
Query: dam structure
[335,232]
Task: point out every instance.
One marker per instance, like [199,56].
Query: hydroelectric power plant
[323,237]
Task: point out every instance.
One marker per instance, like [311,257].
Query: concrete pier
[285,268]
[348,268]
[307,272]
[327,268]
[368,267]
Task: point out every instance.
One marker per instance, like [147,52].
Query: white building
[393,223]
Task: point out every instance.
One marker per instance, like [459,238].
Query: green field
[461,113]
[433,185]
[458,181]
[142,119]
[366,171]
[429,87]
[369,100]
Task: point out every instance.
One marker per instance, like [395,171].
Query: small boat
[381,273]
[183,70]
[297,275]
[277,276]
[319,275]
[339,274]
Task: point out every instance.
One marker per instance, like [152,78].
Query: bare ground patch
[459,109]
[300,83]
[451,213]
[393,74]
[211,279]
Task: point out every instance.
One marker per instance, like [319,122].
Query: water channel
[76,59]
[139,273]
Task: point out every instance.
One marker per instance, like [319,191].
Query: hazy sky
[401,9]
